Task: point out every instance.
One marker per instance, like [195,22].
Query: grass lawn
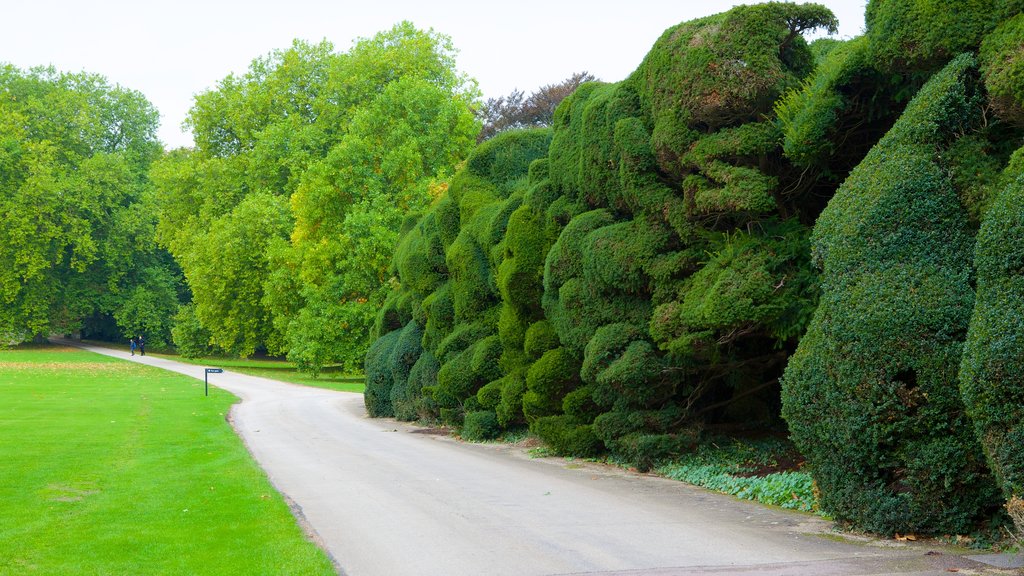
[113,468]
[280,370]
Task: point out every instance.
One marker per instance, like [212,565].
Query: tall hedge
[992,372]
[871,394]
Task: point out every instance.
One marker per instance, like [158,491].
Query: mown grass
[330,378]
[280,370]
[112,468]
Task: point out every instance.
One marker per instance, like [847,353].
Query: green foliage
[840,111]
[870,395]
[992,372]
[923,35]
[565,435]
[548,380]
[480,425]
[505,159]
[404,355]
[190,339]
[722,71]
[346,144]
[77,252]
[380,376]
[1002,65]
[733,467]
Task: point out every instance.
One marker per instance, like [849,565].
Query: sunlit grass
[330,378]
[110,467]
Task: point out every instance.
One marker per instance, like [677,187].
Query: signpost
[206,377]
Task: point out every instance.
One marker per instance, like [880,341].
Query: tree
[77,241]
[313,157]
[517,111]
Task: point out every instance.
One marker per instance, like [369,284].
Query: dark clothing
[132,342]
[142,346]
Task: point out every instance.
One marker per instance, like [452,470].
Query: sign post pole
[206,378]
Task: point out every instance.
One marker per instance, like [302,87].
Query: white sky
[172,50]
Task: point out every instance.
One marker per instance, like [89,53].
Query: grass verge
[765,470]
[113,468]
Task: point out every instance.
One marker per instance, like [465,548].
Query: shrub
[923,35]
[422,380]
[870,394]
[510,408]
[992,372]
[722,71]
[480,425]
[547,382]
[403,357]
[567,436]
[1002,63]
[379,376]
[505,159]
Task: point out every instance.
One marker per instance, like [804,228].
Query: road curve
[383,498]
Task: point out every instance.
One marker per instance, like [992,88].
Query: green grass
[765,470]
[282,370]
[113,468]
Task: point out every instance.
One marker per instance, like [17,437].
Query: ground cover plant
[115,468]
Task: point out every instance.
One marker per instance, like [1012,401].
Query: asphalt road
[386,498]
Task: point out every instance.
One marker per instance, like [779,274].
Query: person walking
[131,344]
[142,345]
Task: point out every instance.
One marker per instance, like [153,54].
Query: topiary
[480,425]
[722,71]
[1002,64]
[547,382]
[567,436]
[923,35]
[379,376]
[992,371]
[870,394]
[404,354]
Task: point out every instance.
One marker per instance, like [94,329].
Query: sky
[171,51]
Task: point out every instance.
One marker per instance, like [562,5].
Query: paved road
[384,498]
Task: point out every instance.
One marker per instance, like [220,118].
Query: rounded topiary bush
[480,425]
[547,382]
[1002,63]
[404,354]
[871,393]
[379,376]
[567,436]
[992,373]
[922,35]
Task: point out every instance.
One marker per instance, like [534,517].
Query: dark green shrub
[722,71]
[490,395]
[923,35]
[379,376]
[422,380]
[614,257]
[419,257]
[540,337]
[762,280]
[567,436]
[623,368]
[1002,63]
[404,354]
[440,318]
[447,211]
[510,407]
[472,286]
[547,382]
[848,104]
[641,437]
[871,393]
[992,372]
[505,159]
[480,425]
